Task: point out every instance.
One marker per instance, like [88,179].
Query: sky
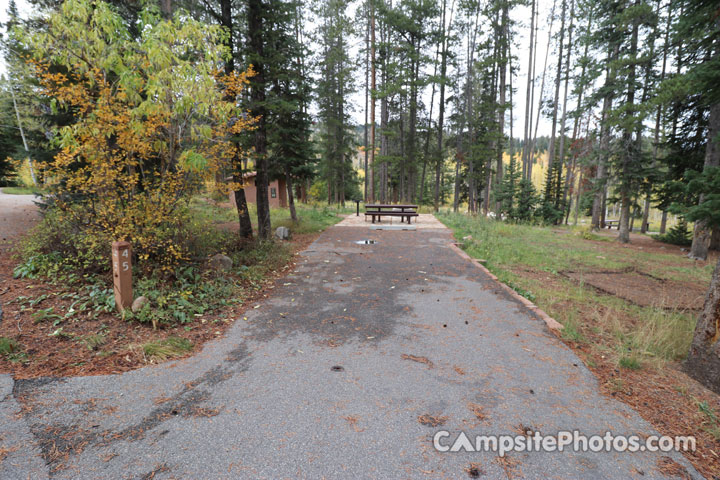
[521,15]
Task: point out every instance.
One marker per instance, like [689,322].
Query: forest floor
[628,311]
[48,328]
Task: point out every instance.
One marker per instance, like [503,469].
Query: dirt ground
[18,213]
[643,289]
[70,355]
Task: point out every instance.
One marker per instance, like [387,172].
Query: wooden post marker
[122,275]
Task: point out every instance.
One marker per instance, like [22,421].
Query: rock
[139,303]
[221,262]
[282,233]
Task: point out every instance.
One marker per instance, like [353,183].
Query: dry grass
[170,347]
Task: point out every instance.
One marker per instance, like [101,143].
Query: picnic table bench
[611,223]
[386,210]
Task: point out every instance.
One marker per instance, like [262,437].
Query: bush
[678,235]
[64,244]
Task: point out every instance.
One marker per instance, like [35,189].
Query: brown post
[122,275]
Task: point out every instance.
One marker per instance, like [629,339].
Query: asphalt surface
[328,379]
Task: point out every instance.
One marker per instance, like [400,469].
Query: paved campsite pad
[345,372]
[643,289]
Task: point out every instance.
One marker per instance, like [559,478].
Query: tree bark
[245,224]
[371,166]
[528,99]
[257,95]
[558,80]
[166,8]
[561,153]
[630,149]
[441,114]
[600,178]
[715,239]
[702,231]
[703,361]
[663,222]
[367,93]
[533,138]
[291,196]
[22,135]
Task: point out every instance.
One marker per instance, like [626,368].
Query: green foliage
[333,88]
[8,346]
[508,191]
[12,350]
[679,234]
[192,294]
[706,184]
[629,362]
[526,203]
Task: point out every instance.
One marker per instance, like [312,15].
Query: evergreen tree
[334,86]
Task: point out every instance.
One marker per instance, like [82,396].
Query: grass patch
[531,258]
[8,346]
[21,191]
[629,362]
[168,348]
[12,350]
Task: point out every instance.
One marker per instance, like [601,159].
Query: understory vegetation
[535,261]
[177,297]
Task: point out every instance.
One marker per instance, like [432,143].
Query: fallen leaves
[418,359]
[432,421]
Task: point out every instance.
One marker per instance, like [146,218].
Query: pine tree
[333,89]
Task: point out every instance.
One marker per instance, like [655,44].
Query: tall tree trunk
[426,150]
[441,115]
[598,209]
[22,135]
[166,8]
[367,93]
[703,361]
[630,151]
[658,120]
[561,153]
[533,138]
[663,222]
[702,231]
[291,195]
[245,224]
[715,239]
[504,41]
[458,158]
[549,187]
[528,99]
[257,95]
[576,128]
[371,166]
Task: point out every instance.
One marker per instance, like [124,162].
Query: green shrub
[8,346]
[680,234]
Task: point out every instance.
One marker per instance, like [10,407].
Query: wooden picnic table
[611,223]
[386,209]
